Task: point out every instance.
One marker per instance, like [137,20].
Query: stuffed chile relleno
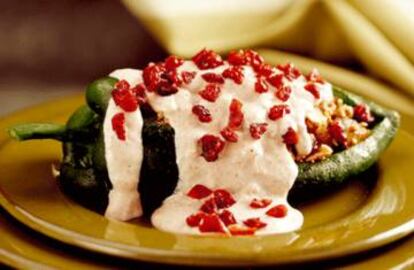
[348,141]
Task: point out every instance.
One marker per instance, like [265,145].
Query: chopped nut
[323,151]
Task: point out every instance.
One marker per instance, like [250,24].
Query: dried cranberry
[237,58]
[223,198]
[152,76]
[336,131]
[209,206]
[124,97]
[283,93]
[313,89]
[362,113]
[188,76]
[234,73]
[170,81]
[278,211]
[206,59]
[257,130]
[173,62]
[229,135]
[158,79]
[291,137]
[314,76]
[166,89]
[202,113]
[118,125]
[254,223]
[199,192]
[265,70]
[276,80]
[260,203]
[278,111]
[254,59]
[211,223]
[240,230]
[261,86]
[211,147]
[122,85]
[211,92]
[290,71]
[227,217]
[213,78]
[236,114]
[139,92]
[194,219]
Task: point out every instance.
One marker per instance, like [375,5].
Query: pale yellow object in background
[377,33]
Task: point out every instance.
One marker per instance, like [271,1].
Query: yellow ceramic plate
[355,218]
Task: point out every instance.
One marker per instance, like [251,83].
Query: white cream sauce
[248,169]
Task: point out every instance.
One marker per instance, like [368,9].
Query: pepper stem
[24,132]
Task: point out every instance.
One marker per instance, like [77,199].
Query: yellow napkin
[377,33]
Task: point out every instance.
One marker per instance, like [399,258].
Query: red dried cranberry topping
[199,192]
[254,223]
[278,111]
[257,130]
[237,58]
[234,73]
[209,206]
[122,85]
[227,217]
[276,80]
[260,203]
[239,230]
[313,89]
[202,113]
[173,62]
[336,131]
[206,59]
[211,147]
[236,114]
[314,76]
[211,92]
[194,219]
[118,125]
[211,223]
[125,99]
[290,137]
[261,86]
[166,89]
[223,198]
[278,211]
[283,93]
[229,135]
[139,92]
[254,59]
[213,78]
[290,71]
[265,70]
[188,76]
[362,113]
[152,76]
[157,78]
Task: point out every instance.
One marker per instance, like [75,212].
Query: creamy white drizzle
[123,158]
[248,169]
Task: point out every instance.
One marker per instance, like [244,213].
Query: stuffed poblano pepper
[213,146]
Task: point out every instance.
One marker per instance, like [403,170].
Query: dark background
[53,48]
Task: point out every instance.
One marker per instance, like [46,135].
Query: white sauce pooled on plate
[248,169]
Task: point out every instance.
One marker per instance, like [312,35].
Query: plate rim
[176,257]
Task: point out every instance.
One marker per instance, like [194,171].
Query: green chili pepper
[84,174]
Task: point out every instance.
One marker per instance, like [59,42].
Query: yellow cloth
[377,33]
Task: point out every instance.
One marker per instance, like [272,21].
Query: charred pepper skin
[84,175]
